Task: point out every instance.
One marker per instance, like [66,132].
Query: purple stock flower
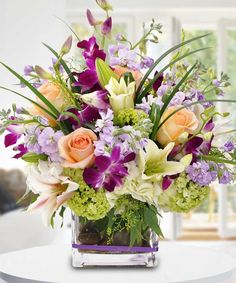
[146,62]
[28,70]
[121,55]
[147,103]
[22,150]
[119,37]
[200,172]
[106,26]
[109,171]
[177,99]
[216,83]
[88,78]
[226,177]
[31,139]
[228,146]
[48,140]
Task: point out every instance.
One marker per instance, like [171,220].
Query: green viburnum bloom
[183,195]
[86,202]
[138,119]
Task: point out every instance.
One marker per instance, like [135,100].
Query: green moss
[87,202]
[183,195]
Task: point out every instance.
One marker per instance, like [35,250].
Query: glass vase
[92,248]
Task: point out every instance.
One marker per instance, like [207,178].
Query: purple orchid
[109,171]
[106,27]
[16,132]
[22,151]
[98,99]
[88,78]
[196,146]
[87,115]
[92,21]
[158,82]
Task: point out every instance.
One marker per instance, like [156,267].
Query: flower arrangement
[118,139]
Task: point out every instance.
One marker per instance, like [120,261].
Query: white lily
[53,188]
[121,96]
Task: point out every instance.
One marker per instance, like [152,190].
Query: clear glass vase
[91,248]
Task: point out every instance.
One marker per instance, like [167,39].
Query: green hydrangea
[129,117]
[87,202]
[183,195]
[136,118]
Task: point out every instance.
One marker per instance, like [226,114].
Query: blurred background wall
[25,24]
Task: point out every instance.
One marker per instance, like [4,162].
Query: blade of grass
[30,100]
[33,89]
[149,86]
[63,63]
[69,27]
[166,54]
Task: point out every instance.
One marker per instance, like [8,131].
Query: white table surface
[177,263]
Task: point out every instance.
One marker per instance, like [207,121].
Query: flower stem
[217,159]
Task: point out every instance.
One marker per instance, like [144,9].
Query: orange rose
[182,121]
[54,94]
[77,148]
[121,70]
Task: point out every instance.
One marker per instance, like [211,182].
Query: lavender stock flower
[229,146]
[109,171]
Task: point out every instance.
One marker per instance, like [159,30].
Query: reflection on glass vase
[90,247]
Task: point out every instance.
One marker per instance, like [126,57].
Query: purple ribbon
[115,248]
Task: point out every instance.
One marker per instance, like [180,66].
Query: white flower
[121,96]
[53,188]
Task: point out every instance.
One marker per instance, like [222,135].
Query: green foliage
[33,157]
[86,202]
[183,195]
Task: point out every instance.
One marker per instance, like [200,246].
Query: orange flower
[54,94]
[182,121]
[77,148]
[121,70]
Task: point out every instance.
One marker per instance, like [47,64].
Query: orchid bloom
[53,188]
[121,96]
[97,99]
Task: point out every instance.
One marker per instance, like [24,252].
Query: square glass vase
[90,248]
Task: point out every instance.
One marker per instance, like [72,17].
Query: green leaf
[128,77]
[63,63]
[150,84]
[33,89]
[156,119]
[61,213]
[33,157]
[104,72]
[150,218]
[32,101]
[163,56]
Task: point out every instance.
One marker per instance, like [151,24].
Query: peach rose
[182,121]
[119,70]
[77,148]
[54,94]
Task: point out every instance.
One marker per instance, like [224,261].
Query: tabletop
[177,264]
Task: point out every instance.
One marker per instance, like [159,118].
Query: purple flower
[22,150]
[216,83]
[87,115]
[28,70]
[209,126]
[109,171]
[200,172]
[88,78]
[158,82]
[48,140]
[148,101]
[31,139]
[16,132]
[228,146]
[166,182]
[92,21]
[119,37]
[121,55]
[106,26]
[226,177]
[177,99]
[196,146]
[98,99]
[146,62]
